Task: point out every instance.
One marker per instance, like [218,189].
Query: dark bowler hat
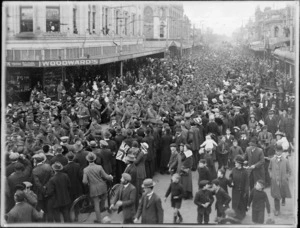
[57,166]
[148,183]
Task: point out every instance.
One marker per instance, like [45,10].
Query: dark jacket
[259,200]
[127,196]
[222,199]
[59,158]
[41,175]
[150,210]
[58,190]
[23,213]
[74,173]
[203,174]
[201,198]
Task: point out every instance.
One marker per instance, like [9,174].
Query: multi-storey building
[272,34]
[53,41]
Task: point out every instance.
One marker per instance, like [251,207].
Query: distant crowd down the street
[218,107]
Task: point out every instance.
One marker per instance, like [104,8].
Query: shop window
[20,83]
[52,19]
[94,21]
[26,19]
[51,54]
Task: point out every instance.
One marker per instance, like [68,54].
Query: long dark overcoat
[279,173]
[166,141]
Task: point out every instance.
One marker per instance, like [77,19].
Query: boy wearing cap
[125,199]
[260,201]
[203,171]
[222,199]
[203,202]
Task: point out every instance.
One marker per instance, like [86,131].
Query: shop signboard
[23,64]
[75,62]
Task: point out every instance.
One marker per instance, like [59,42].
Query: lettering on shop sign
[69,62]
[21,64]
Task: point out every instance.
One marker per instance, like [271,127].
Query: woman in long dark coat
[186,173]
[166,141]
[240,189]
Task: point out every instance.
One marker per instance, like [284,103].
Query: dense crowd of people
[206,114]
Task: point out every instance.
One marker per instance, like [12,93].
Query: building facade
[57,41]
[272,37]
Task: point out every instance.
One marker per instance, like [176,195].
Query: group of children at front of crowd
[204,198]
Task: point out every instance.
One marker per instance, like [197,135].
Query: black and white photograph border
[150,39]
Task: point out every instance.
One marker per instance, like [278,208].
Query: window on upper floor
[26,19]
[52,19]
[276,31]
[74,21]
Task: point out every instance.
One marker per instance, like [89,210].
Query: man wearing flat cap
[150,207]
[58,193]
[125,199]
[256,159]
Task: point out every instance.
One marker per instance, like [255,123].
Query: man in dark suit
[20,175]
[149,163]
[132,171]
[23,212]
[222,199]
[125,199]
[150,207]
[59,157]
[41,174]
[75,175]
[105,157]
[58,193]
[256,159]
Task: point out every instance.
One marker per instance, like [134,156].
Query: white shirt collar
[125,185]
[150,194]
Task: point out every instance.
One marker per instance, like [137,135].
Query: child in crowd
[259,199]
[222,199]
[234,150]
[203,171]
[209,143]
[203,202]
[223,181]
[176,190]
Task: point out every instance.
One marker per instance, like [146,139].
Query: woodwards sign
[54,63]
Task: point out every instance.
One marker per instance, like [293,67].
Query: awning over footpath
[257,46]
[283,54]
[278,42]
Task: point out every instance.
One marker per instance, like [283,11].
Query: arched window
[276,31]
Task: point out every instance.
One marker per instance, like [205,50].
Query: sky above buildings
[225,17]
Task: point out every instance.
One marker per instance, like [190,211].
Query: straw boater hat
[40,157]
